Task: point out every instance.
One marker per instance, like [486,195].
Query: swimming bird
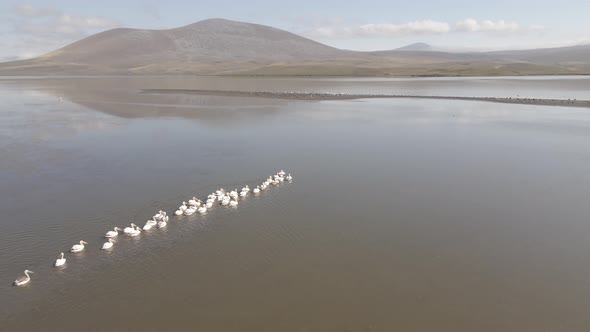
[107,245]
[233,203]
[162,224]
[148,225]
[208,204]
[256,190]
[233,193]
[23,279]
[128,230]
[243,193]
[114,233]
[281,173]
[183,206]
[60,261]
[78,247]
[225,200]
[190,210]
[192,201]
[202,209]
[179,212]
[136,231]
[289,177]
[159,215]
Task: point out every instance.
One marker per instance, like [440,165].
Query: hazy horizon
[32,28]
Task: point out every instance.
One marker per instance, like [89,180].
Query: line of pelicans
[160,220]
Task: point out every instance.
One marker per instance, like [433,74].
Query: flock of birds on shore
[160,220]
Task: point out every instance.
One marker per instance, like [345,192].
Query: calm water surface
[404,215]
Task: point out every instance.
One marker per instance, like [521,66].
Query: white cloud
[472,25]
[382,30]
[37,30]
[390,30]
[82,24]
[426,26]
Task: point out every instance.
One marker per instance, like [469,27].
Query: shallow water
[411,215]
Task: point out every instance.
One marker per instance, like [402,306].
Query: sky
[32,28]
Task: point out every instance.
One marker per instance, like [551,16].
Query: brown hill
[218,46]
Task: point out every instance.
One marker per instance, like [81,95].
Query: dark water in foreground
[404,215]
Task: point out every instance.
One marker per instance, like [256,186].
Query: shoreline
[320,96]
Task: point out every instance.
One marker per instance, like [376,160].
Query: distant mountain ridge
[416,47]
[225,47]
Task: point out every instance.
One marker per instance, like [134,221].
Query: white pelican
[113,233]
[148,225]
[209,204]
[60,261]
[225,201]
[128,230]
[107,245]
[179,212]
[136,231]
[210,200]
[183,206]
[162,224]
[281,173]
[233,203]
[23,279]
[190,210]
[243,193]
[192,201]
[289,177]
[233,193]
[202,209]
[78,247]
[256,190]
[159,216]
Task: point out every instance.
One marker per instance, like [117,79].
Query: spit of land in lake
[318,96]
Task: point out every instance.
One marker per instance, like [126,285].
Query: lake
[403,215]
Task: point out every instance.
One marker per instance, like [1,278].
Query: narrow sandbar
[316,96]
